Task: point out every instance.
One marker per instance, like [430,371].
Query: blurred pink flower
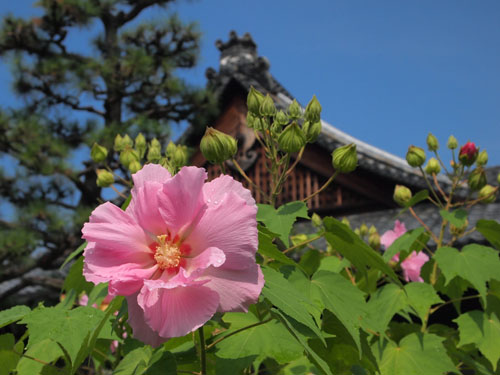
[391,235]
[181,251]
[412,264]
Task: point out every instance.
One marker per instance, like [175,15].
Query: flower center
[167,255]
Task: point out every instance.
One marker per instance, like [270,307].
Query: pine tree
[126,84]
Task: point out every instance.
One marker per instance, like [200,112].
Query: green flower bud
[140,145]
[156,144]
[477,179]
[498,178]
[458,231]
[98,153]
[154,154]
[372,230]
[294,111]
[402,195]
[281,118]
[452,143]
[313,110]
[432,142]
[316,220]
[312,130]
[482,158]
[345,158]
[487,194]
[170,150]
[217,146]
[432,166]
[252,120]
[127,141]
[254,100]
[276,129]
[346,222]
[119,144]
[104,178]
[180,156]
[292,139]
[357,231]
[374,241]
[267,107]
[363,229]
[128,156]
[415,156]
[134,166]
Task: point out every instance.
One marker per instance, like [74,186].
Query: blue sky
[386,72]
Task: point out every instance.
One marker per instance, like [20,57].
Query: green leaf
[46,351]
[417,198]
[269,249]
[285,297]
[135,362]
[74,254]
[8,358]
[310,261]
[333,264]
[477,328]
[416,354]
[457,217]
[348,243]
[75,279]
[412,240]
[281,220]
[266,340]
[383,305]
[421,297]
[13,314]
[232,366]
[343,299]
[127,202]
[162,363]
[490,229]
[475,263]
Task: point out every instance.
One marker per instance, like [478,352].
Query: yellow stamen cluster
[167,255]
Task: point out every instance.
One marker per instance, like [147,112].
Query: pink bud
[468,153]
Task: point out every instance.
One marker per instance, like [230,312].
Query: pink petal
[144,207]
[181,201]
[150,173]
[231,226]
[399,228]
[214,190]
[210,257]
[412,265]
[141,330]
[392,235]
[176,312]
[237,289]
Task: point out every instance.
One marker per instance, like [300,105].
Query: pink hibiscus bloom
[181,251]
[391,235]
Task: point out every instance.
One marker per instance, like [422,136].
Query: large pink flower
[391,235]
[181,251]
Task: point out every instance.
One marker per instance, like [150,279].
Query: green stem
[203,353]
[302,243]
[237,331]
[431,188]
[325,185]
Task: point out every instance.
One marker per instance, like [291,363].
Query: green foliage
[490,229]
[280,221]
[13,314]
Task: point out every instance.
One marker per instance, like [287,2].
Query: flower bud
[312,130]
[252,120]
[154,153]
[98,153]
[402,195]
[316,220]
[345,221]
[294,111]
[452,143]
[292,139]
[482,158]
[156,144]
[170,150]
[217,146]
[432,142]
[180,156]
[134,166]
[140,145]
[458,231]
[104,178]
[281,118]
[498,178]
[267,107]
[128,156]
[275,129]
[357,231]
[127,141]
[313,110]
[254,100]
[119,144]
[468,154]
[372,230]
[345,158]
[477,179]
[487,194]
[374,241]
[415,156]
[363,229]
[432,166]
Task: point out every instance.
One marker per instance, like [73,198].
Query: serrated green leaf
[333,264]
[310,261]
[490,229]
[13,314]
[343,299]
[457,217]
[299,367]
[8,357]
[266,340]
[383,305]
[269,249]
[281,220]
[417,198]
[46,351]
[421,297]
[135,362]
[285,297]
[477,328]
[475,263]
[412,240]
[348,243]
[416,354]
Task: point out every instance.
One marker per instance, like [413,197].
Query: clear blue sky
[387,72]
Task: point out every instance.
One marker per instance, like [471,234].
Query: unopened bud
[477,179]
[345,158]
[140,145]
[357,231]
[98,153]
[313,110]
[180,156]
[119,144]
[498,178]
[104,178]
[217,146]
[254,100]
[294,111]
[312,130]
[402,195]
[372,230]
[345,221]
[482,158]
[374,241]
[252,120]
[128,156]
[127,141]
[432,142]
[134,166]
[170,150]
[487,194]
[458,231]
[155,144]
[316,220]
[468,154]
[432,166]
[267,107]
[154,154]
[281,118]
[363,229]
[292,139]
[452,143]
[415,156]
